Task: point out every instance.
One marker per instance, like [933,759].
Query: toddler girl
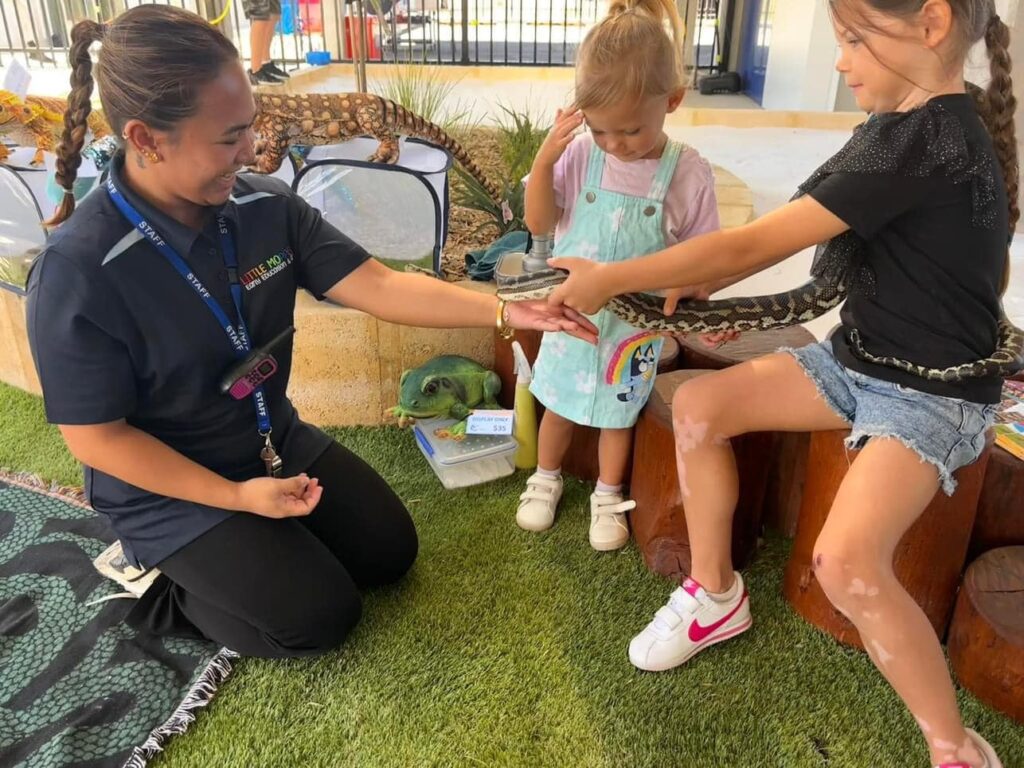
[620,191]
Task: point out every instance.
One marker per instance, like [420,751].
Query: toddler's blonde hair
[631,54]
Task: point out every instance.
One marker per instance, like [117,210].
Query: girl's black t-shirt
[924,193]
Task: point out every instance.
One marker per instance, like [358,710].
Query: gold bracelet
[504,330]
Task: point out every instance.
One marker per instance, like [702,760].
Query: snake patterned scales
[758,313]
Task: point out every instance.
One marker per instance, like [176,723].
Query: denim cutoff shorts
[946,432]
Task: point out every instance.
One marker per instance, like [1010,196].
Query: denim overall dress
[606,385]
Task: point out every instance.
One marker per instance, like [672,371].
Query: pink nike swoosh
[698,633]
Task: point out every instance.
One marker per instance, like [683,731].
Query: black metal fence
[38,31]
[518,32]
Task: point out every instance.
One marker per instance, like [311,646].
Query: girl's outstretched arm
[700,260]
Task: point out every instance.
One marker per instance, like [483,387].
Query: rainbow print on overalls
[633,365]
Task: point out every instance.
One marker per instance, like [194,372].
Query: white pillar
[334,30]
[689,13]
[801,60]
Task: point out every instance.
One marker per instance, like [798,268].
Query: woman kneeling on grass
[262,529]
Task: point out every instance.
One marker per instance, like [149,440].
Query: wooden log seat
[658,522]
[581,458]
[694,354]
[928,560]
[1000,520]
[986,636]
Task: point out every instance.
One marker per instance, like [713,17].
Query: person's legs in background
[268,66]
[263,16]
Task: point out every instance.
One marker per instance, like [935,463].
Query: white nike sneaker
[538,502]
[987,753]
[991,758]
[688,623]
[608,527]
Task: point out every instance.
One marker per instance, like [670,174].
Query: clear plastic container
[460,463]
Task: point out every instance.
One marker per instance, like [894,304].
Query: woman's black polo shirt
[117,333]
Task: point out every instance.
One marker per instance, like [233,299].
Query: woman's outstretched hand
[583,290]
[279,497]
[539,315]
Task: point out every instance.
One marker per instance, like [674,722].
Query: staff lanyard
[238,336]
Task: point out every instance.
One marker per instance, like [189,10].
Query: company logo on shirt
[266,270]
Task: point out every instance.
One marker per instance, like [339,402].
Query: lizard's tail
[400,117]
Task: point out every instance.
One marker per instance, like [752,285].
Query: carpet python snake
[759,313]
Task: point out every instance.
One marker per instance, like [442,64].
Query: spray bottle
[525,429]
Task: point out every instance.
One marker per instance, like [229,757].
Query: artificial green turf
[508,648]
[29,444]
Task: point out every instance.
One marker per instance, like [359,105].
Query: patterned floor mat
[79,688]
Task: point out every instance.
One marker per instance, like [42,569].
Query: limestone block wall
[16,366]
[346,365]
